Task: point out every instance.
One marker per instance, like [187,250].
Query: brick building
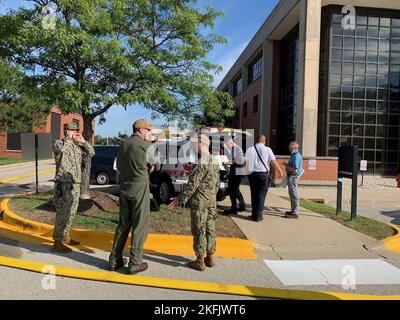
[10,143]
[327,75]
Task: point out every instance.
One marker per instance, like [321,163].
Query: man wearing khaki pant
[294,170]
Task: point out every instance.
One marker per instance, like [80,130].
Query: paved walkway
[312,236]
[377,203]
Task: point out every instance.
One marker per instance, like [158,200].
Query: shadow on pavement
[173,261]
[393,214]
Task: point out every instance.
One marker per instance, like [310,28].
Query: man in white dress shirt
[258,161]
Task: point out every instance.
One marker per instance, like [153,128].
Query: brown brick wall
[45,128]
[326,169]
[252,120]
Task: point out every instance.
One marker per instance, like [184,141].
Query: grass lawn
[4,161]
[370,227]
[40,208]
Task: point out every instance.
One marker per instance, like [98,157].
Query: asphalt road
[13,187]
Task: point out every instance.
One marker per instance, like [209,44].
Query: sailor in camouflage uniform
[68,154]
[201,193]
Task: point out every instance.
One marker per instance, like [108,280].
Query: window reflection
[364,92]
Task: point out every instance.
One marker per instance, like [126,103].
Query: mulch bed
[102,203]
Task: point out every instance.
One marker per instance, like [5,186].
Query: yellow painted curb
[26,176]
[393,243]
[187,285]
[28,231]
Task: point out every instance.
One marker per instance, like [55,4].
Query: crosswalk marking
[334,272]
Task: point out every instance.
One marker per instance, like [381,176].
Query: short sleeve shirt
[296,161]
[253,160]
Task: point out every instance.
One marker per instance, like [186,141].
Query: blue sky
[241,21]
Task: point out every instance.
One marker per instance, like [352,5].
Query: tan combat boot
[68,240]
[60,247]
[198,264]
[209,260]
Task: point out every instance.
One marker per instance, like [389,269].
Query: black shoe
[242,208]
[136,269]
[230,211]
[256,219]
[291,216]
[118,265]
[288,212]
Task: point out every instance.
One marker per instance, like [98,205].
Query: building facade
[10,143]
[327,75]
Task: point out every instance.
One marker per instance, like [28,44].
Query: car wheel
[102,178]
[164,191]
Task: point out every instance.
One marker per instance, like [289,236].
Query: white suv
[175,170]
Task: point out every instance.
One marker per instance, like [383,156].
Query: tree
[94,54]
[22,103]
[99,140]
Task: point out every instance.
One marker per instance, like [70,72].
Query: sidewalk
[304,254]
[378,200]
[312,236]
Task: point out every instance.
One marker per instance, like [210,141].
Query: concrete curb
[393,243]
[31,228]
[186,285]
[24,230]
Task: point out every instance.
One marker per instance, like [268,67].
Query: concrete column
[267,79]
[309,46]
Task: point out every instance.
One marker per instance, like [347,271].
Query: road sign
[363,165]
[312,164]
[36,145]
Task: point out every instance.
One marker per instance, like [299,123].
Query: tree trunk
[86,161]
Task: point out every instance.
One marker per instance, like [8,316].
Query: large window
[255,70]
[363,101]
[288,81]
[237,87]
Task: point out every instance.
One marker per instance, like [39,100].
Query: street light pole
[107,134]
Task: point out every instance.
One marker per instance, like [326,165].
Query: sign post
[37,162]
[347,168]
[363,167]
[35,146]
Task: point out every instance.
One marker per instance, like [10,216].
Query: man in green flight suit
[134,197]
[68,154]
[201,193]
